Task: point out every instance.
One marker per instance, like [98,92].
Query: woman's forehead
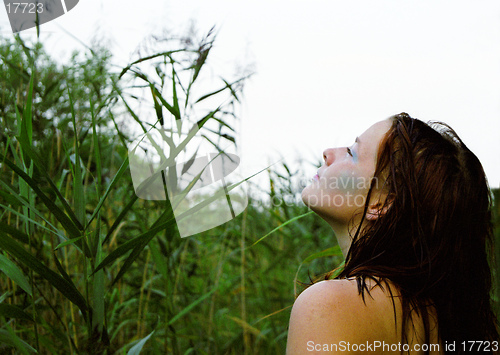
[374,134]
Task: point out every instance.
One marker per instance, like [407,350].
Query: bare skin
[338,193]
[333,312]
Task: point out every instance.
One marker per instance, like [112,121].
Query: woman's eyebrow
[357,140]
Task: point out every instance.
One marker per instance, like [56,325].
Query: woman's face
[340,187]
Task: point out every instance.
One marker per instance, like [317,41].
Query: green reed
[87,266]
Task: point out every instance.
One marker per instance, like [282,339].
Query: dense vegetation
[87,266]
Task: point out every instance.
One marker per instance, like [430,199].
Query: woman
[410,207]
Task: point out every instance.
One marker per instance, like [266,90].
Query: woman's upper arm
[329,312]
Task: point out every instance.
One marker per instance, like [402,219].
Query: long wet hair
[433,240]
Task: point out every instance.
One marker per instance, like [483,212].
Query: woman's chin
[311,200]
[306,197]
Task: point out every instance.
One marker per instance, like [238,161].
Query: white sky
[326,70]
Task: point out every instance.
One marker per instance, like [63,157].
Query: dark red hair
[433,239]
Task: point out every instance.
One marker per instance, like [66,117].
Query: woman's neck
[343,237]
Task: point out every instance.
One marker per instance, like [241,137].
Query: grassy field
[90,268]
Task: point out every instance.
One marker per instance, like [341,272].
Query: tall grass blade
[228,86]
[159,260]
[193,131]
[35,222]
[79,197]
[203,53]
[136,349]
[156,55]
[68,242]
[333,251]
[24,202]
[245,325]
[62,271]
[66,222]
[14,273]
[281,226]
[98,311]
[53,188]
[169,224]
[26,127]
[9,337]
[137,242]
[117,177]
[170,108]
[190,307]
[66,288]
[10,311]
[98,315]
[21,236]
[120,217]
[157,106]
[129,109]
[9,199]
[177,111]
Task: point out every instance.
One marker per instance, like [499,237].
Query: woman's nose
[329,156]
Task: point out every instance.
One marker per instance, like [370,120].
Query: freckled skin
[345,178]
[348,182]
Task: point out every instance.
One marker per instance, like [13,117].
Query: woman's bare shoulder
[333,311]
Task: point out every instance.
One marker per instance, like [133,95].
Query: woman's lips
[316,177]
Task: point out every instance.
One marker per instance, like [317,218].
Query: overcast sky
[326,70]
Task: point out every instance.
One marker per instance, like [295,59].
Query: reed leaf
[156,55]
[117,177]
[281,226]
[23,237]
[10,311]
[136,349]
[137,242]
[176,109]
[79,196]
[68,242]
[333,251]
[165,222]
[191,306]
[67,223]
[25,203]
[159,260]
[14,232]
[121,217]
[68,289]
[156,94]
[9,337]
[26,127]
[14,273]
[53,188]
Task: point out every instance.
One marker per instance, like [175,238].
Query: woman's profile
[411,210]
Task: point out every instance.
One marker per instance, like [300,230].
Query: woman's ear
[378,209]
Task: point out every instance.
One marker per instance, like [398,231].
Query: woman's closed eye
[349,151]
